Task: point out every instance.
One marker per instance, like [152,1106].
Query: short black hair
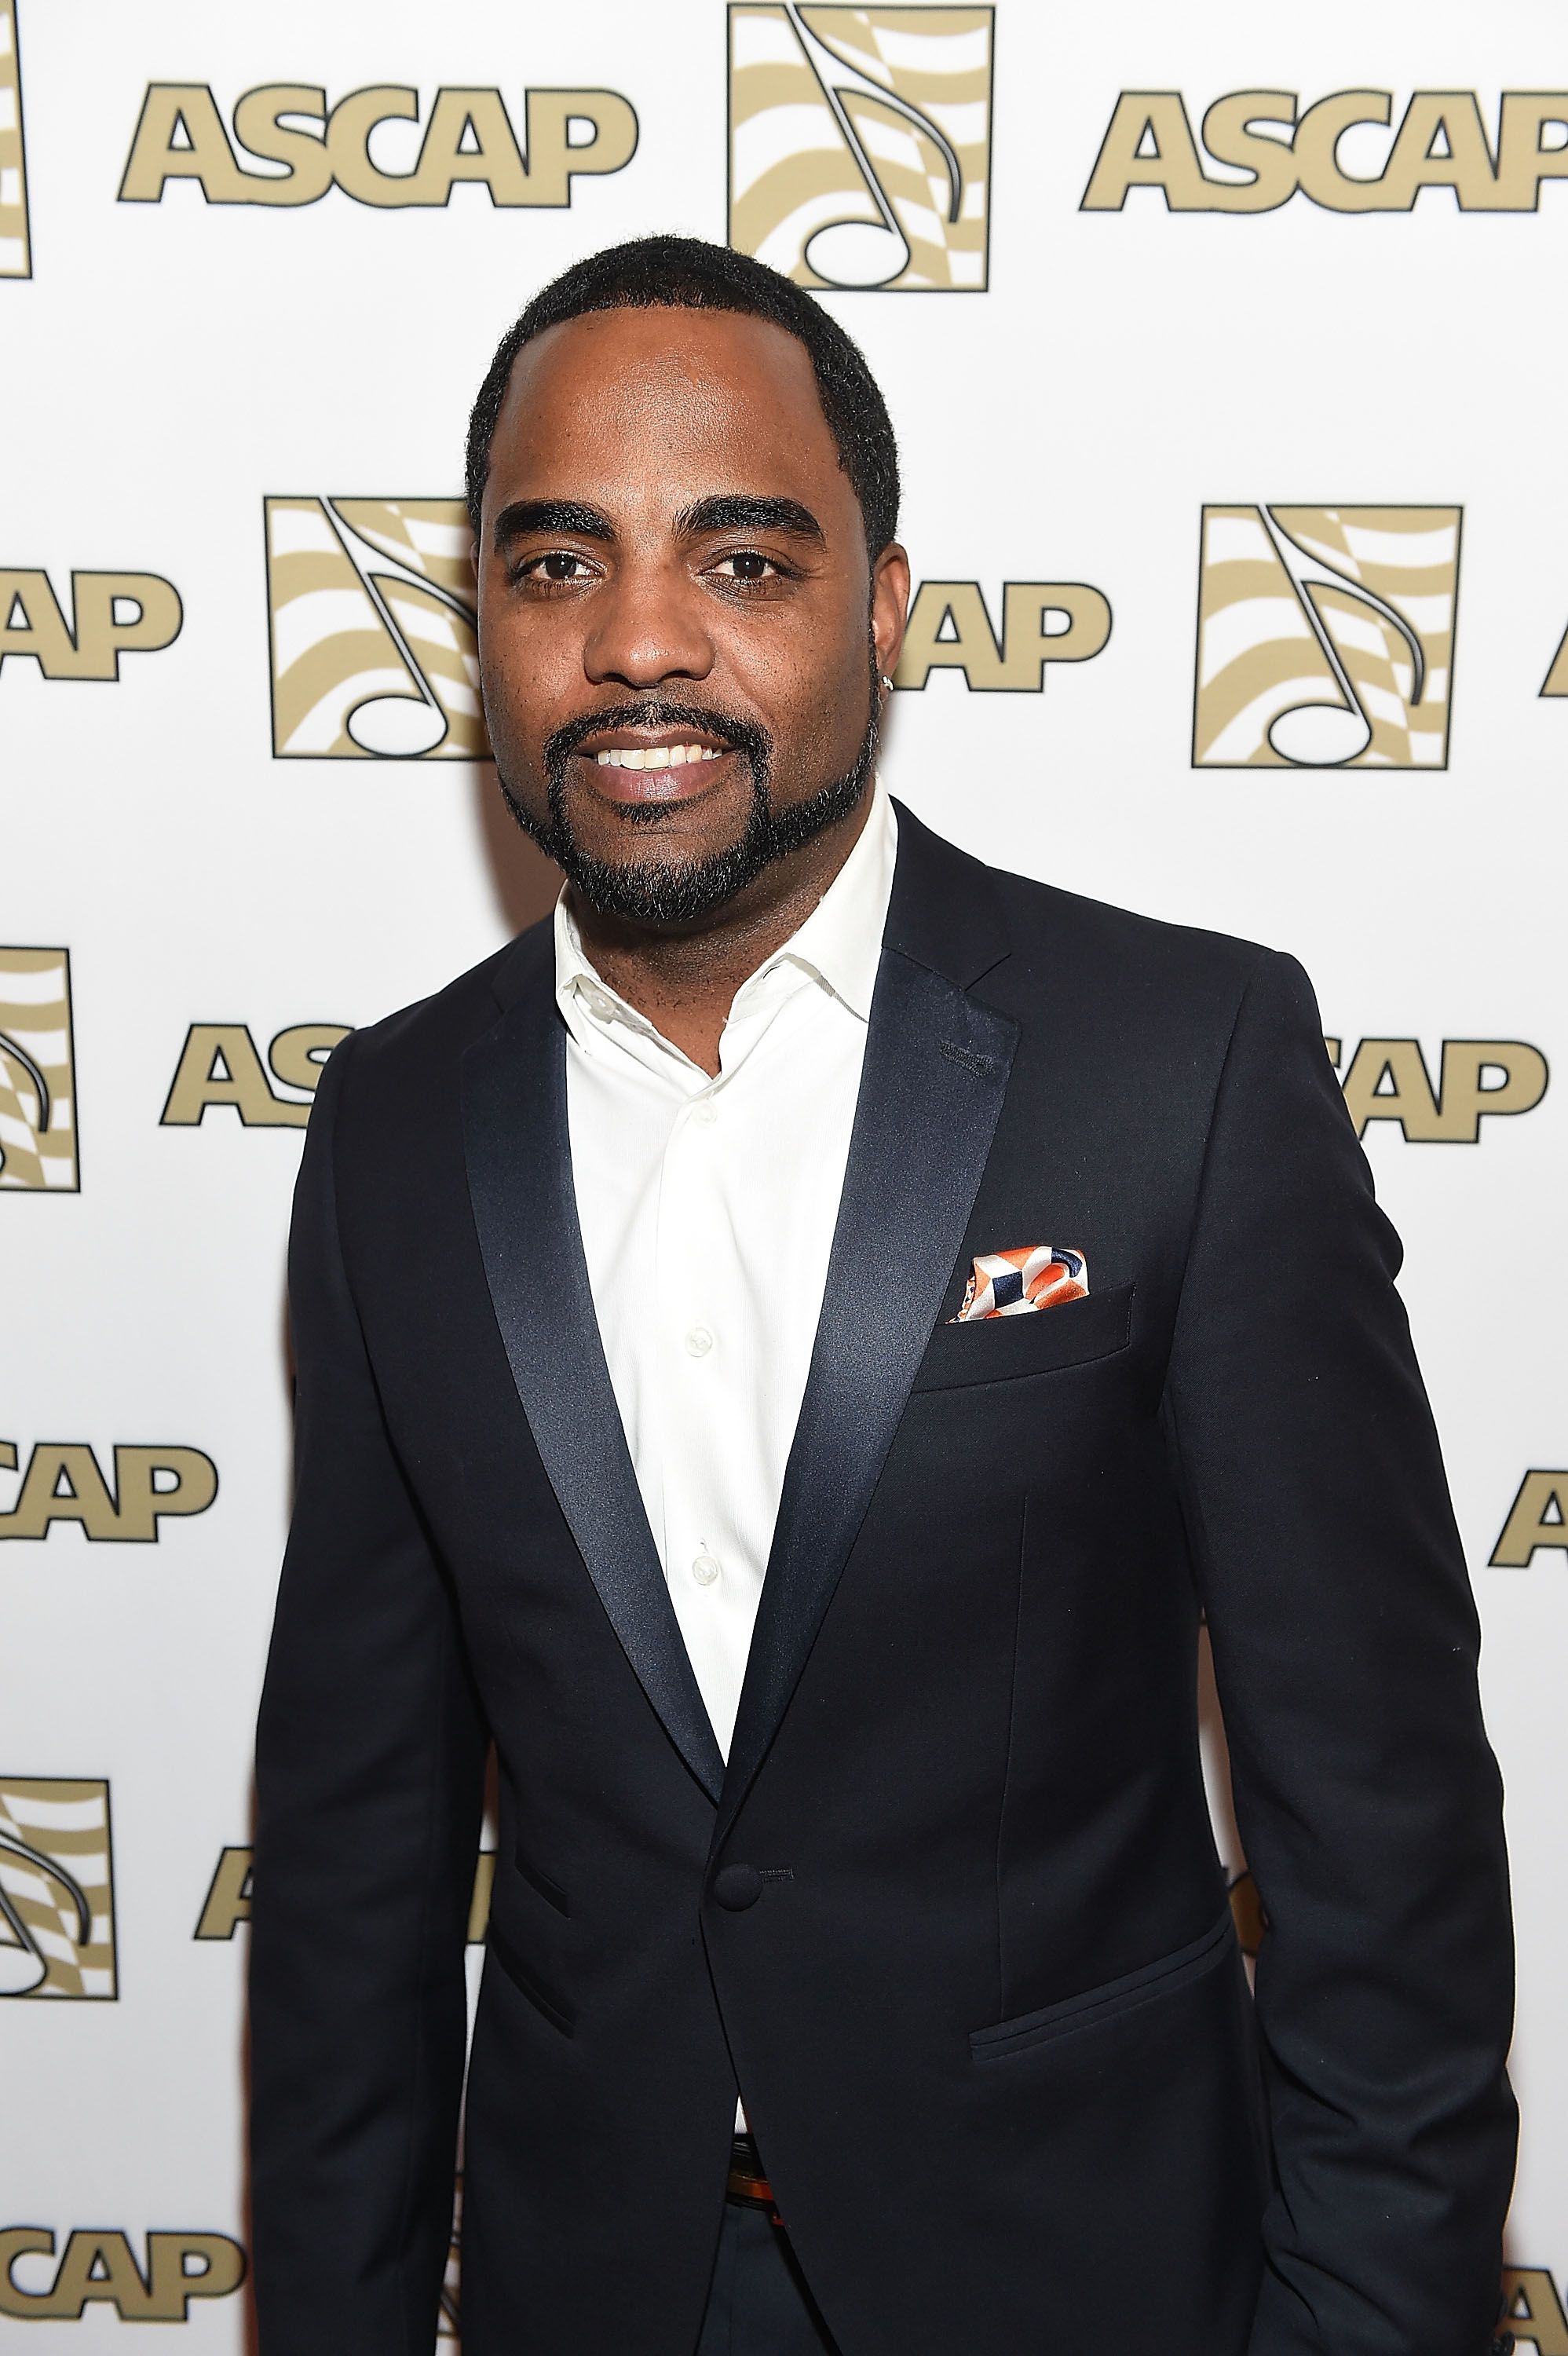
[688,273]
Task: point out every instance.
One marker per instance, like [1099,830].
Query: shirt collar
[841,943]
[841,940]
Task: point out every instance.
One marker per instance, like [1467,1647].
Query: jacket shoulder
[1113,976]
[1046,922]
[958,912]
[438,1028]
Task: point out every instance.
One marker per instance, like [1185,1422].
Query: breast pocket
[1002,1349]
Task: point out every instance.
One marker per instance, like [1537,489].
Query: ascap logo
[227,1899]
[57,1887]
[16,244]
[37,1073]
[469,136]
[1324,637]
[64,1483]
[112,614]
[1538,1517]
[860,143]
[230,1892]
[221,1065]
[1271,150]
[96,2266]
[371,609]
[1532,2311]
[1388,1079]
[1042,621]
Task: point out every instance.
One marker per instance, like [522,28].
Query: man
[788,1352]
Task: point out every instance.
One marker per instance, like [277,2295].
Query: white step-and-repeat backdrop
[1226,351]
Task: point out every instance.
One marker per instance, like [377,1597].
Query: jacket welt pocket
[1002,1349]
[550,1891]
[1108,2003]
[523,1980]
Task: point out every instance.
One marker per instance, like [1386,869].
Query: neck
[684,981]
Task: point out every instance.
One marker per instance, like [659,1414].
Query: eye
[555,564]
[748,564]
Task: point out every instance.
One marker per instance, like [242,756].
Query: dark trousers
[759,2304]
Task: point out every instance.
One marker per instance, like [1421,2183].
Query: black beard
[666,893]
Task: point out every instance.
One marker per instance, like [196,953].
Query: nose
[648,626]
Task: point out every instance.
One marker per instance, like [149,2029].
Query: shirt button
[705,1570]
[699,1342]
[707,1112]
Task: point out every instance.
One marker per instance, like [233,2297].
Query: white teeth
[655,757]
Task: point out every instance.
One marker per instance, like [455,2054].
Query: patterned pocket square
[1017,1283]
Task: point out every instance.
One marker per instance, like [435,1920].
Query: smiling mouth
[657,756]
[644,779]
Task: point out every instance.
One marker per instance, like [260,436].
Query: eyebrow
[743,511]
[724,511]
[551,515]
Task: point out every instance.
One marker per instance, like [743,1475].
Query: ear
[890,606]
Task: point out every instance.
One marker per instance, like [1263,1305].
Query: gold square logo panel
[57,1887]
[860,145]
[370,606]
[1325,637]
[37,1075]
[16,248]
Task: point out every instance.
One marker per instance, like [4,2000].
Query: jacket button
[736,1886]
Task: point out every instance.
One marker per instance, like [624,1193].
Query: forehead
[641,408]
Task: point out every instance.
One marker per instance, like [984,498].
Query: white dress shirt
[708,1208]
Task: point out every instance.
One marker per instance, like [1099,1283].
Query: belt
[747,2180]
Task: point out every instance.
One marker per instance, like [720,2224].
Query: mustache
[740,735]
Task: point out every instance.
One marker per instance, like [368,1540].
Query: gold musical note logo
[1324,637]
[374,654]
[37,1084]
[16,244]
[860,143]
[56,1889]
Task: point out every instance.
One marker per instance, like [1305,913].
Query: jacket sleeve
[369,1782]
[1344,1645]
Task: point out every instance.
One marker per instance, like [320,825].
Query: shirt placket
[691,1353]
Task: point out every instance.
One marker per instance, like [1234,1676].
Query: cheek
[813,686]
[843,712]
[526,676]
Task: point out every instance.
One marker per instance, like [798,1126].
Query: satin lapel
[520,1179]
[934,1075]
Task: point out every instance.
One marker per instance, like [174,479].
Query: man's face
[680,631]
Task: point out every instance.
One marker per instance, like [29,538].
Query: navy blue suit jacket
[952,1915]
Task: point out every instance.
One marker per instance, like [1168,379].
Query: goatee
[668,892]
